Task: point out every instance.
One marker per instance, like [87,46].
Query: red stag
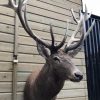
[47,83]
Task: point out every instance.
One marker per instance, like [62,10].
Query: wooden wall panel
[40,14]
[7,96]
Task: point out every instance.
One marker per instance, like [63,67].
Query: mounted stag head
[47,83]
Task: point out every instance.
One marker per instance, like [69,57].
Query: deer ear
[43,51]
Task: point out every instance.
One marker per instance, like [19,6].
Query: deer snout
[78,76]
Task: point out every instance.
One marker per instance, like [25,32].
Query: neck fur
[48,84]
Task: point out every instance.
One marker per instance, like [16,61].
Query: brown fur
[47,82]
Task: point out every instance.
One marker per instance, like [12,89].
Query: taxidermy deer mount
[47,83]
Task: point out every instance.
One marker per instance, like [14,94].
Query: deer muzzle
[77,76]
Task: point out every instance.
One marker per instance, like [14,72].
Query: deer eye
[56,58]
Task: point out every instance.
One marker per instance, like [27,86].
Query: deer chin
[74,79]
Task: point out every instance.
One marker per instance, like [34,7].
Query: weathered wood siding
[40,14]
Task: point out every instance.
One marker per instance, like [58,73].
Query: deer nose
[78,76]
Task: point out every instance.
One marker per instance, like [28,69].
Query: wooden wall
[40,14]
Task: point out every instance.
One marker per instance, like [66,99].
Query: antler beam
[74,43]
[23,19]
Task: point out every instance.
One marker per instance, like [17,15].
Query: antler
[23,19]
[75,43]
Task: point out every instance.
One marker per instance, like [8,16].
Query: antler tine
[72,53]
[18,8]
[13,4]
[74,46]
[64,39]
[52,36]
[89,30]
[86,15]
[29,31]
[79,22]
[73,39]
[25,1]
[23,19]
[73,15]
[77,46]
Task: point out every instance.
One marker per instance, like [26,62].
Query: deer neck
[49,74]
[48,83]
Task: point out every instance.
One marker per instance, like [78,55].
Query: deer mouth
[76,78]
